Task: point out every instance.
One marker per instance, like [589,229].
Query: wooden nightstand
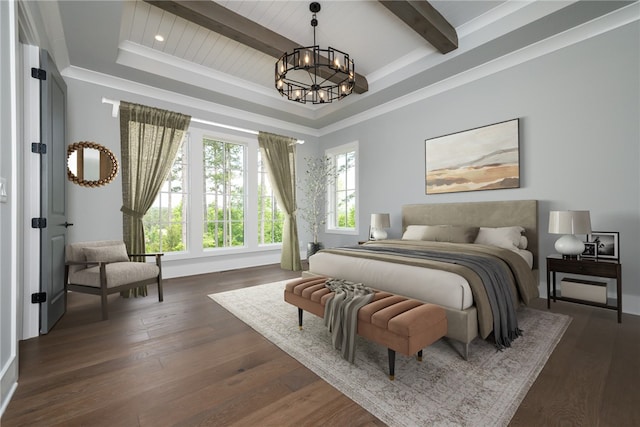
[588,267]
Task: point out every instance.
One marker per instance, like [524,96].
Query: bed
[472,233]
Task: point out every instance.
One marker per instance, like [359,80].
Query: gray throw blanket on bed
[341,313]
[495,277]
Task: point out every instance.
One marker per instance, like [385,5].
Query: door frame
[31,189]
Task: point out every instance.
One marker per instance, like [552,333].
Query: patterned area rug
[443,390]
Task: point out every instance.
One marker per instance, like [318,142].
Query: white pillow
[523,242]
[414,232]
[503,237]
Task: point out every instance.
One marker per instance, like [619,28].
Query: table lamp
[379,222]
[569,223]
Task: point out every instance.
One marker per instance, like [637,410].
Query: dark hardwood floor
[187,361]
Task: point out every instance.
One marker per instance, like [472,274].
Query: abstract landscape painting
[485,158]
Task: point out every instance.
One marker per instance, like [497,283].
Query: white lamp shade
[569,222]
[380,220]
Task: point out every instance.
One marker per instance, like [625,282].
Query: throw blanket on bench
[341,313]
[490,276]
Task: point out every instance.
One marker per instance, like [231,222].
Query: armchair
[104,267]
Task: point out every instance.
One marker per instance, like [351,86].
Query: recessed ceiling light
[159,38]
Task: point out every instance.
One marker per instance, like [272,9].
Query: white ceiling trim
[601,25]
[55,32]
[511,15]
[508,9]
[162,64]
[206,107]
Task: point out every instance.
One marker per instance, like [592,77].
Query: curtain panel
[150,139]
[279,154]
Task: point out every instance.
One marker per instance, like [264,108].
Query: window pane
[342,193]
[165,224]
[224,194]
[270,217]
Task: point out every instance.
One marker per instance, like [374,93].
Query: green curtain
[279,154]
[150,139]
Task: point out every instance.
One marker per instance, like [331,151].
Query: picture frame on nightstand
[607,244]
[589,250]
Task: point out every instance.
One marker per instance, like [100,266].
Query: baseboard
[7,398]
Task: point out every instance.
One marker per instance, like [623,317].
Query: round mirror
[90,164]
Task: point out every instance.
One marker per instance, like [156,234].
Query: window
[218,198]
[224,195]
[165,224]
[270,216]
[342,194]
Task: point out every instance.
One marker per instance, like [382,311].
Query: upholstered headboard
[479,214]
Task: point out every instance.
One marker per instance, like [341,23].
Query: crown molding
[208,108]
[162,64]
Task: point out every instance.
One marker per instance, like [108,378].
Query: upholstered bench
[398,323]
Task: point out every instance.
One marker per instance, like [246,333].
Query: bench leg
[392,364]
[300,318]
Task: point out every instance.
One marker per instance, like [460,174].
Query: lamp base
[569,246]
[379,234]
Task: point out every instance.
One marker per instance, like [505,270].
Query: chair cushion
[75,251]
[118,273]
[114,253]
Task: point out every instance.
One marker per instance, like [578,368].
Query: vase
[312,248]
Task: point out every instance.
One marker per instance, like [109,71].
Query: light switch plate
[3,190]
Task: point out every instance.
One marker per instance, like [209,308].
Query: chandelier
[311,74]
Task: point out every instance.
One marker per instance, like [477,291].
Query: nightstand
[607,268]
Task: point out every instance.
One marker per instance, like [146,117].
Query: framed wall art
[607,243]
[484,158]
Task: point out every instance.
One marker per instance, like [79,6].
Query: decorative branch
[320,174]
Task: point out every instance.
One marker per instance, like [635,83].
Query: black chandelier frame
[311,59]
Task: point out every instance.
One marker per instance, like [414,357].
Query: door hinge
[38,222]
[38,73]
[38,148]
[38,297]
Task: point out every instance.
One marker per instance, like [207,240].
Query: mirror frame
[90,183]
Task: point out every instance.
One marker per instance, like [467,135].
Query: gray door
[53,237]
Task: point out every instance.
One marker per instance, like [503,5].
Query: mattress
[435,286]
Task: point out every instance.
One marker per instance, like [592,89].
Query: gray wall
[579,143]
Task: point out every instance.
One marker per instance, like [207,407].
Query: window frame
[330,226]
[245,185]
[195,199]
[275,205]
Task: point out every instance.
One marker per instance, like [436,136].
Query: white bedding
[436,286]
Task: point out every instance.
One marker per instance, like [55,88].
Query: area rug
[443,390]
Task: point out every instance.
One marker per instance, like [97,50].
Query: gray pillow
[462,234]
[450,233]
[114,253]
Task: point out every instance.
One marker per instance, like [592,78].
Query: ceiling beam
[426,21]
[223,21]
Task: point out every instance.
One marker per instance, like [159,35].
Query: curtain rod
[115,107]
